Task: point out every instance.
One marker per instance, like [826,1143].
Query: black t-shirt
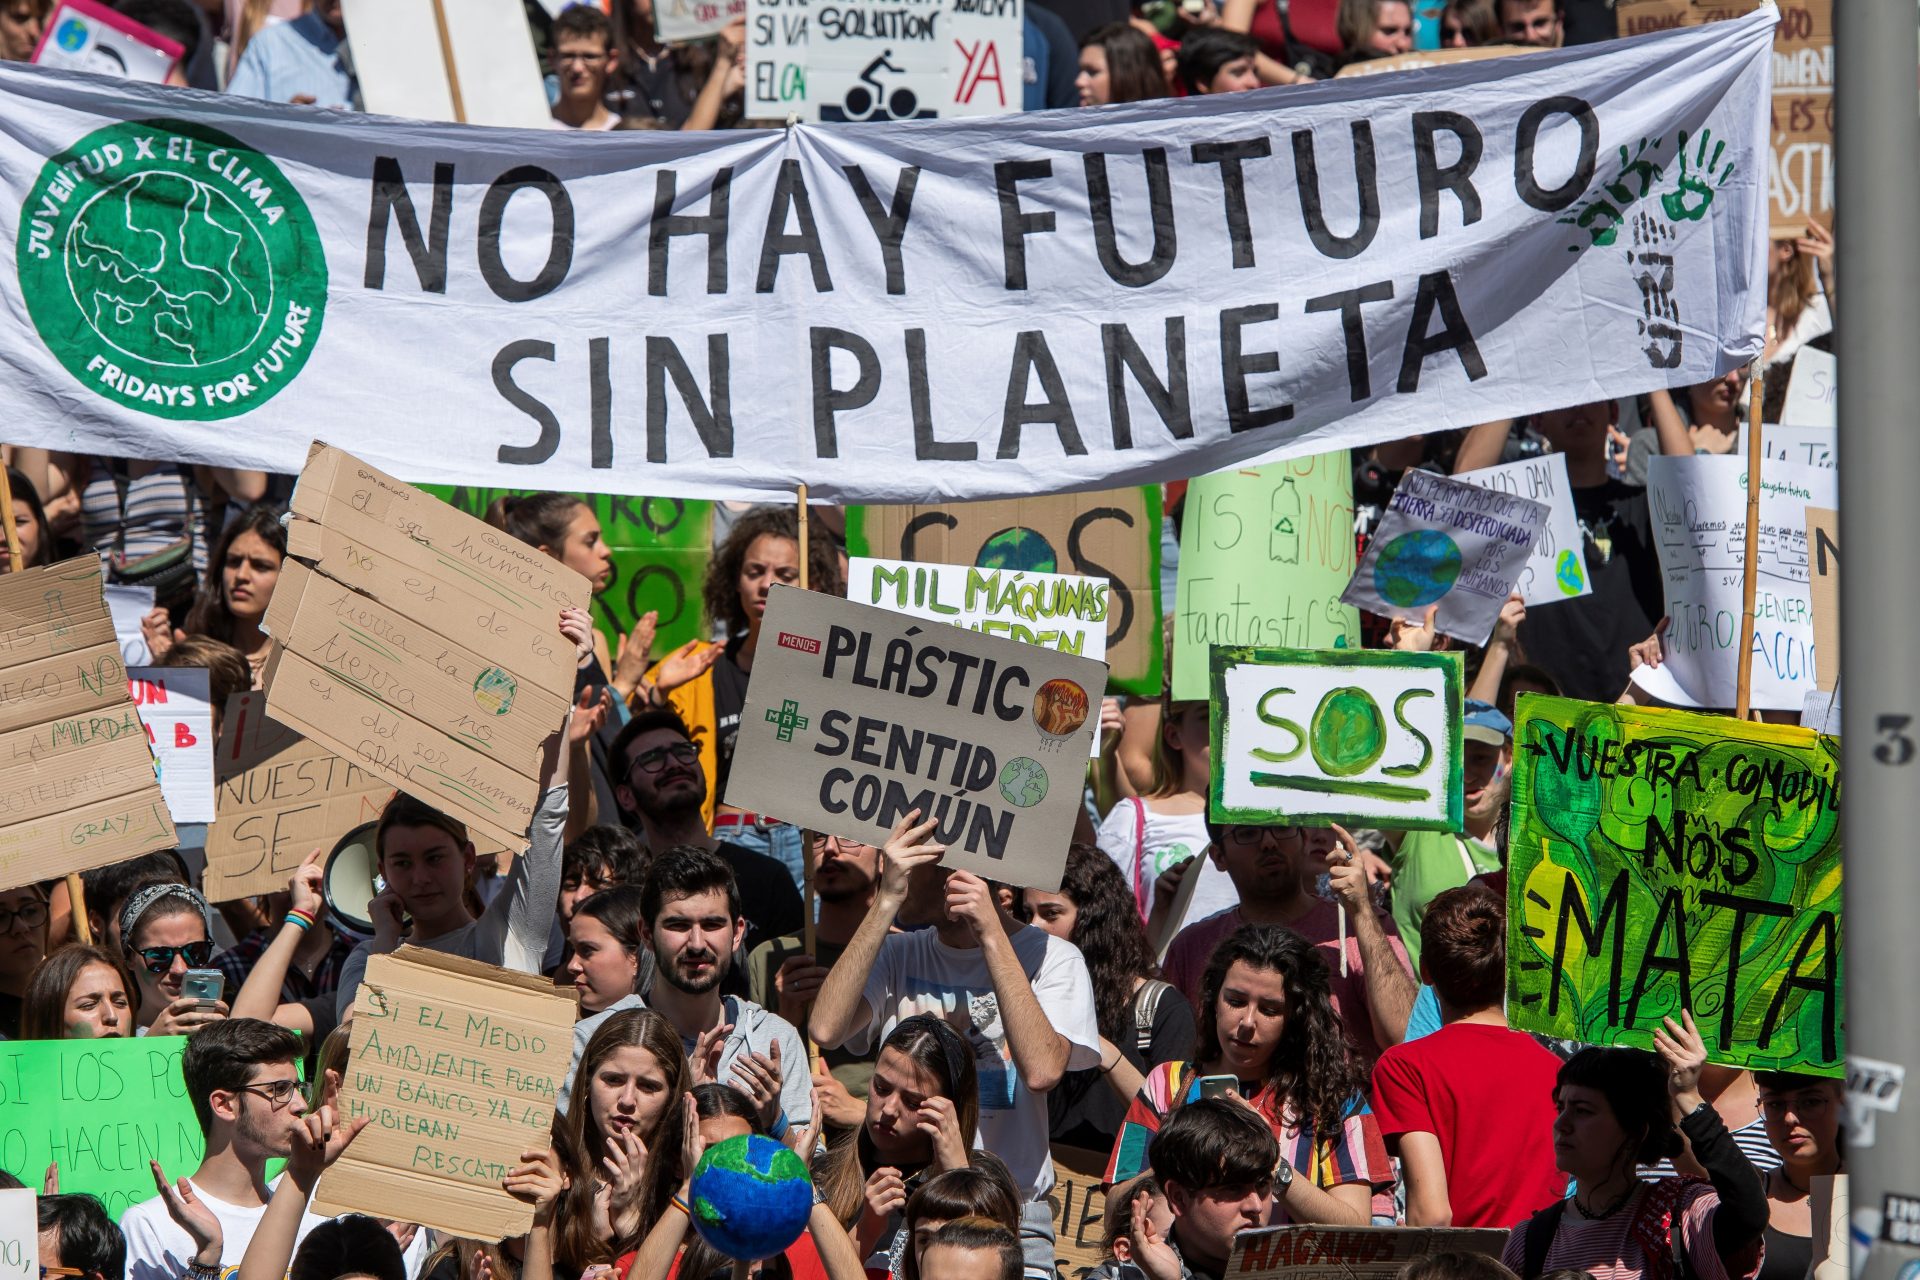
[729,699]
[1082,16]
[768,900]
[1083,1110]
[11,1009]
[1583,642]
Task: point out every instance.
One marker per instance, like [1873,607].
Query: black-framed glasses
[1249,837]
[655,760]
[31,914]
[276,1093]
[160,959]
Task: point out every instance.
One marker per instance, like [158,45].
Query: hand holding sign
[906,849]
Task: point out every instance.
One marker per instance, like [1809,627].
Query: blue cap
[1486,723]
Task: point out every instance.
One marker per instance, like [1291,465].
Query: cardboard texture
[1823,583]
[1079,1207]
[457,1064]
[1349,1253]
[172,702]
[1265,553]
[1114,534]
[102,1109]
[1661,860]
[855,716]
[19,1234]
[80,789]
[1427,58]
[1362,737]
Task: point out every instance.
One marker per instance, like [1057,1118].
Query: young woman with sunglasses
[166,930]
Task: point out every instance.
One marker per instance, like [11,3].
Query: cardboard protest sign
[1367,737]
[85,35]
[79,791]
[660,550]
[1445,542]
[1265,553]
[443,673]
[1079,1207]
[1557,569]
[870,61]
[402,50]
[1812,390]
[457,1065]
[1823,584]
[101,1109]
[172,704]
[1349,1253]
[1699,510]
[856,716]
[1662,860]
[1419,58]
[1113,535]
[19,1234]
[694,19]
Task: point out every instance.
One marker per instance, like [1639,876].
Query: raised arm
[1482,446]
[318,1141]
[839,1011]
[1500,646]
[259,995]
[1040,1053]
[1668,426]
[1391,987]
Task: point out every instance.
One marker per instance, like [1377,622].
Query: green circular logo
[172,269]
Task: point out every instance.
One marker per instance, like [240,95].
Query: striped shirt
[1753,1144]
[158,513]
[1608,1249]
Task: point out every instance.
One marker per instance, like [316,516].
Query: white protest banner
[1447,543]
[856,716]
[84,35]
[1558,567]
[127,605]
[173,705]
[1356,736]
[979,308]
[1817,447]
[1823,589]
[694,19]
[1812,390]
[402,48]
[19,1234]
[880,60]
[1699,510]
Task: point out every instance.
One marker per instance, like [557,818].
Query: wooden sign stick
[1750,579]
[446,58]
[808,889]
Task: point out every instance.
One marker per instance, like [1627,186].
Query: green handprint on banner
[1609,210]
[1694,194]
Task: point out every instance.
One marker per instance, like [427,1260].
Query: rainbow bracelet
[304,919]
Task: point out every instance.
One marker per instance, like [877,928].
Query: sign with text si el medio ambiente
[1662,860]
[855,716]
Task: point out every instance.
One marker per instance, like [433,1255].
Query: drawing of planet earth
[1023,781]
[1416,568]
[1018,548]
[1567,574]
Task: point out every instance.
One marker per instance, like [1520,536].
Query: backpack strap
[1142,885]
[1540,1230]
[1146,1006]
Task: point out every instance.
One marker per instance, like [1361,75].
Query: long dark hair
[1134,73]
[721,589]
[537,519]
[24,492]
[1314,1071]
[43,1010]
[210,615]
[1109,934]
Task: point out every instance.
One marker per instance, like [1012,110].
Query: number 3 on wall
[1897,747]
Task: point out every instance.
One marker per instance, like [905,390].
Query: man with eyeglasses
[240,1076]
[23,941]
[582,60]
[661,790]
[1269,868]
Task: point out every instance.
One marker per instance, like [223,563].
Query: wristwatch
[1282,1177]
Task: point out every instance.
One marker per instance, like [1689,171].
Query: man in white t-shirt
[240,1074]
[1020,996]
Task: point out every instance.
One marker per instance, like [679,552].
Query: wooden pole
[808,899]
[76,892]
[446,58]
[1750,578]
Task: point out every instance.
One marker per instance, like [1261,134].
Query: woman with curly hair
[1269,1035]
[1143,1021]
[762,549]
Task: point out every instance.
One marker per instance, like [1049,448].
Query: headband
[952,1046]
[142,899]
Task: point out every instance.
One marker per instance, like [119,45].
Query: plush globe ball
[751,1197]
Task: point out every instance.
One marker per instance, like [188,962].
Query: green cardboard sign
[660,551]
[1662,859]
[1265,553]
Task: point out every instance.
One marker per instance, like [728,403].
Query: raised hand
[1151,1252]
[1506,628]
[589,715]
[577,626]
[186,1015]
[970,900]
[941,1123]
[1649,651]
[192,1216]
[318,1141]
[758,1076]
[1414,637]
[1685,1053]
[886,1191]
[303,887]
[689,662]
[708,1049]
[797,982]
[537,1179]
[1346,874]
[160,633]
[635,653]
[907,847]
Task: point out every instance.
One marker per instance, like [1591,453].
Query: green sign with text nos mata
[1663,860]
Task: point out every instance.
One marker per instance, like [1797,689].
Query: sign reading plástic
[1356,736]
[1664,860]
[856,716]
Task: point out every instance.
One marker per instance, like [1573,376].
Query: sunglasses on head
[160,959]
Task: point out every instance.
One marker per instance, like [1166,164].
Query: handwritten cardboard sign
[1349,1253]
[78,790]
[433,662]
[1557,570]
[101,1109]
[856,716]
[1449,543]
[1663,860]
[457,1065]
[173,705]
[1355,736]
[1823,564]
[1265,553]
[1079,1207]
[1113,535]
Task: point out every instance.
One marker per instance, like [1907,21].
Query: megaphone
[352,880]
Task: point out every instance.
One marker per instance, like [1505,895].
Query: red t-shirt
[1487,1094]
[802,1256]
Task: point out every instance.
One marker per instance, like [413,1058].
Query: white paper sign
[19,1234]
[397,60]
[82,35]
[1817,447]
[1447,543]
[1558,567]
[1812,390]
[1699,511]
[174,705]
[882,60]
[694,19]
[128,605]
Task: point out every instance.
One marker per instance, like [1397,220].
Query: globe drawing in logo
[71,35]
[1417,568]
[1023,781]
[1018,548]
[159,265]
